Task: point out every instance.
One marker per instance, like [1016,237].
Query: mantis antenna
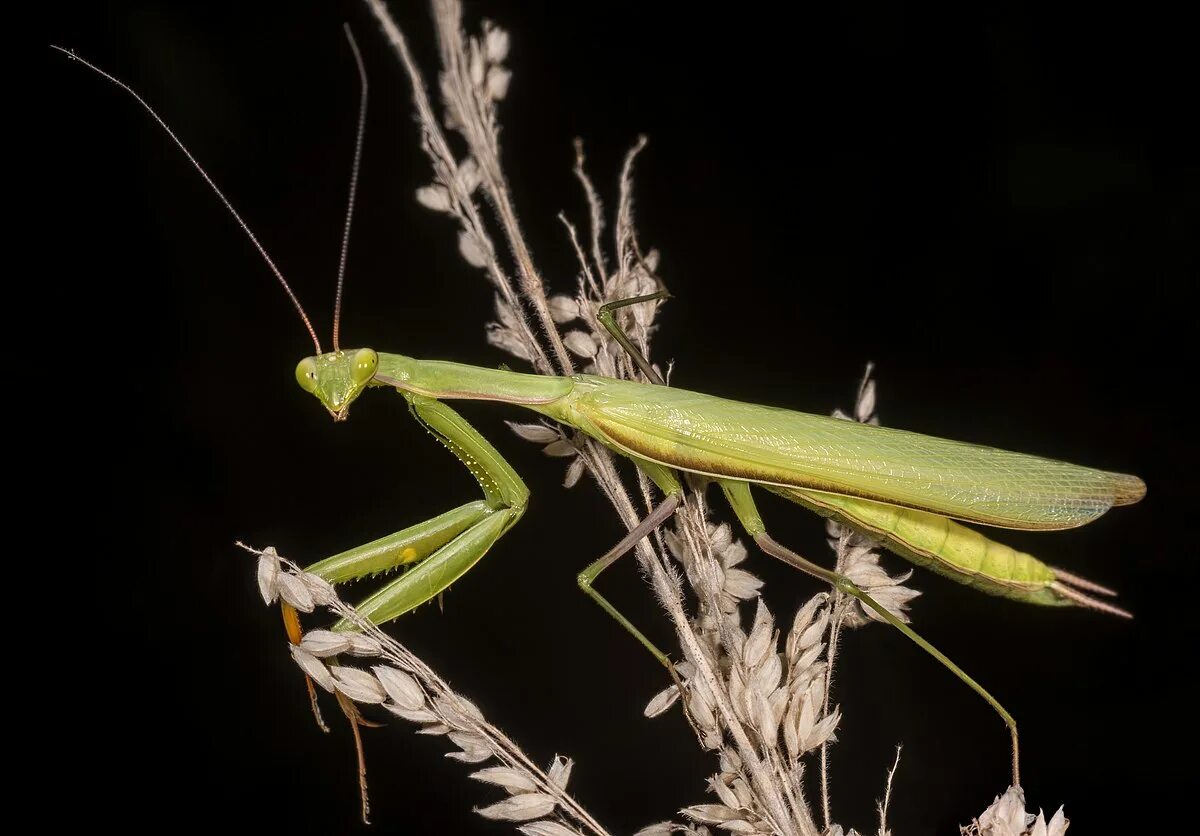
[358,147]
[245,228]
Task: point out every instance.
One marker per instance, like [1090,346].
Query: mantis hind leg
[738,494]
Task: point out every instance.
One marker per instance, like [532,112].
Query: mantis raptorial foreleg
[443,548]
[440,550]
[742,502]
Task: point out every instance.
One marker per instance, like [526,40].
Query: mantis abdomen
[944,546]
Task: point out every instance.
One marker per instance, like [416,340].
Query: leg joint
[513,503]
[847,586]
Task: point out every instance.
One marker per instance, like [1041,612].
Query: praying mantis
[909,491]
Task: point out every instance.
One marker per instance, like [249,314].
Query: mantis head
[337,378]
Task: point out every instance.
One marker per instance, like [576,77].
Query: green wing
[718,437]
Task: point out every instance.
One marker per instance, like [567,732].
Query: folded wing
[730,439]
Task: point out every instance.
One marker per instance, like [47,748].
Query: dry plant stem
[786,813]
[597,213]
[356,723]
[786,818]
[443,159]
[864,411]
[625,231]
[482,139]
[766,779]
[887,794]
[762,775]
[574,235]
[835,633]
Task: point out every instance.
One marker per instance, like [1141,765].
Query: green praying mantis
[909,492]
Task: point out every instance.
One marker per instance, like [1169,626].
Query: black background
[993,206]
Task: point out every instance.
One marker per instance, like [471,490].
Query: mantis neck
[457,381]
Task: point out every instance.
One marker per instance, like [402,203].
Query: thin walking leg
[659,515]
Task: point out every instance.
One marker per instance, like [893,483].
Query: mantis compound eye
[366,362]
[306,375]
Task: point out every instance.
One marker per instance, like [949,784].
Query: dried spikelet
[555,443]
[407,688]
[434,197]
[293,591]
[776,696]
[268,575]
[1007,817]
[858,559]
[564,309]
[547,828]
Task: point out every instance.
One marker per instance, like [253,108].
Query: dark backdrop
[991,206]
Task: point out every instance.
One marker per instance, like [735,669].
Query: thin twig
[835,632]
[887,794]
[595,209]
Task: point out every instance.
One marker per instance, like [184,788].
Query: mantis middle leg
[669,485]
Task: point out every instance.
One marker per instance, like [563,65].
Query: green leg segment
[738,494]
[442,549]
[666,482]
[665,510]
[403,548]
